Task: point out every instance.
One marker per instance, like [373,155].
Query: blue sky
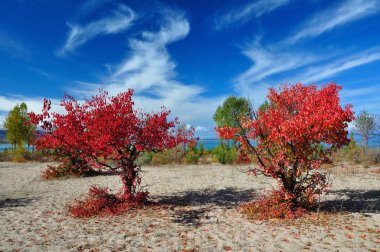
[188,55]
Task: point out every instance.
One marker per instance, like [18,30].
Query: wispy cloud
[267,63]
[89,6]
[345,12]
[42,73]
[271,61]
[34,104]
[120,20]
[366,96]
[279,63]
[242,14]
[324,71]
[361,91]
[311,68]
[150,64]
[13,47]
[150,70]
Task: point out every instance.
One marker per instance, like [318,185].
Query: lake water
[212,143]
[5,146]
[374,142]
[209,144]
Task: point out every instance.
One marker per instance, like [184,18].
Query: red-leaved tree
[108,133]
[295,132]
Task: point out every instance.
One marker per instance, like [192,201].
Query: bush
[169,156]
[355,154]
[146,158]
[67,167]
[194,153]
[101,202]
[289,133]
[365,156]
[108,132]
[5,155]
[272,206]
[21,154]
[225,154]
[243,158]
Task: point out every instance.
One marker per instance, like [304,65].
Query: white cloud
[346,12]
[150,70]
[34,104]
[363,96]
[268,62]
[321,72]
[276,59]
[361,91]
[244,13]
[89,6]
[201,128]
[120,20]
[150,64]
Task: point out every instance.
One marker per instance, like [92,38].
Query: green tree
[19,131]
[231,111]
[365,124]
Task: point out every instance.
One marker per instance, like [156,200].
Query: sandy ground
[198,212]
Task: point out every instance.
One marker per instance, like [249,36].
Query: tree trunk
[289,184]
[129,179]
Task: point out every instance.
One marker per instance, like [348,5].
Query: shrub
[272,206]
[146,158]
[169,156]
[108,134]
[289,132]
[67,167]
[194,153]
[21,154]
[243,158]
[101,202]
[5,155]
[356,154]
[225,154]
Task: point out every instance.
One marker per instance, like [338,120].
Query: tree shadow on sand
[192,207]
[203,201]
[18,202]
[355,201]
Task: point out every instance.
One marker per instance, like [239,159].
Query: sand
[198,211]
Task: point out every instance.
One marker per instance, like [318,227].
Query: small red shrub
[109,134]
[52,172]
[272,206]
[66,168]
[295,132]
[243,158]
[102,203]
